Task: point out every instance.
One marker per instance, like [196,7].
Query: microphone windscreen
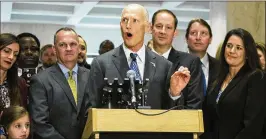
[131,73]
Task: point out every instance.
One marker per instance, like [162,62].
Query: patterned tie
[72,84]
[134,65]
[204,81]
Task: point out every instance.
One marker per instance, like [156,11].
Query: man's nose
[28,52]
[128,24]
[163,30]
[198,36]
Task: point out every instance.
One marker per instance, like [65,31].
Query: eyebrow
[11,49]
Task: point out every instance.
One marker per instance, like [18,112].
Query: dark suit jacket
[239,112]
[213,73]
[23,91]
[113,64]
[192,94]
[52,107]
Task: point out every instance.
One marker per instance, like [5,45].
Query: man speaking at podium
[133,54]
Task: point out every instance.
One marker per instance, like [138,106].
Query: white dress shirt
[205,67]
[166,54]
[140,59]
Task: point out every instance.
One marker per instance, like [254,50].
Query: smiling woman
[13,90]
[236,102]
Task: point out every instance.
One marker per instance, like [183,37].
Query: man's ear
[147,27]
[176,33]
[210,41]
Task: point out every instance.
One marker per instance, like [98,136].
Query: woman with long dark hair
[13,89]
[236,101]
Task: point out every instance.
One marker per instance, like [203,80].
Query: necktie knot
[70,74]
[133,56]
[134,65]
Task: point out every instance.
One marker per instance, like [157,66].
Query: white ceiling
[94,14]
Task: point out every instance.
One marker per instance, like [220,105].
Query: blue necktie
[204,82]
[134,65]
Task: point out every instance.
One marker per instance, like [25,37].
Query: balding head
[134,23]
[138,8]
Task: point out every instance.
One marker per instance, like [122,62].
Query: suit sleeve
[194,93]
[39,111]
[254,108]
[96,81]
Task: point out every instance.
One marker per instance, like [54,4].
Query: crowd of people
[51,101]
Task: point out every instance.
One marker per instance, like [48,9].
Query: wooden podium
[128,120]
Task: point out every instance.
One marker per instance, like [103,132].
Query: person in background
[29,55]
[164,29]
[83,53]
[106,46]
[236,101]
[198,37]
[47,57]
[16,122]
[262,54]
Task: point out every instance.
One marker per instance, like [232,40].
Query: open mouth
[129,34]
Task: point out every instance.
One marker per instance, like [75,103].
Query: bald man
[116,63]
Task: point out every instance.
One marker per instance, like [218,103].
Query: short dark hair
[45,47]
[107,42]
[164,11]
[202,22]
[83,40]
[64,29]
[12,114]
[26,34]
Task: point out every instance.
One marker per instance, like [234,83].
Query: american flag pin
[153,64]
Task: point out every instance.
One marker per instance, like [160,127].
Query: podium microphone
[131,74]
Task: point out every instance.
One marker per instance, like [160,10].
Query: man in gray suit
[116,63]
[59,96]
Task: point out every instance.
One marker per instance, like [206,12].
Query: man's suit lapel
[150,65]
[59,77]
[174,58]
[82,80]
[212,70]
[120,61]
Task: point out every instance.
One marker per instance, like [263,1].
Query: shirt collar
[65,69]
[141,53]
[166,54]
[205,60]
